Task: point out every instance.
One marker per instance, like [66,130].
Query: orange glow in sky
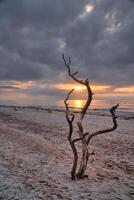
[81,87]
[125,90]
[23,85]
[103,93]
[78,87]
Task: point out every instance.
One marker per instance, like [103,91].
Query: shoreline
[122,113]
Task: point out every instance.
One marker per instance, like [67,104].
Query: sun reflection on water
[77,103]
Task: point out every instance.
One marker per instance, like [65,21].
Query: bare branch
[70,121]
[89,99]
[72,144]
[72,75]
[112,110]
[75,73]
[78,139]
[65,101]
[85,83]
[72,118]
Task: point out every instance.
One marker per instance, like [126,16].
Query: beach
[36,158]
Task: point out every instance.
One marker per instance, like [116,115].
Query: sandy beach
[36,159]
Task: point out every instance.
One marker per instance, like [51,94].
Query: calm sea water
[124,104]
[101,104]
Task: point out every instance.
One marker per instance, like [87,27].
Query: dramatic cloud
[8,87]
[96,34]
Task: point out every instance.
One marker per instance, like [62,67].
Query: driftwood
[85,138]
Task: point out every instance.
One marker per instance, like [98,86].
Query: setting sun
[70,86]
[78,87]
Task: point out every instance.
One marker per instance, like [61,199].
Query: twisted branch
[85,83]
[112,110]
[69,120]
[72,75]
[72,144]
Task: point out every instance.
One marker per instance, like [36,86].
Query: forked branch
[70,118]
[112,110]
[72,75]
[85,83]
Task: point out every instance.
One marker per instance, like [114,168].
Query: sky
[98,36]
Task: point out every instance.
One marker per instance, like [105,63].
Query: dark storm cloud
[32,29]
[103,41]
[34,34]
[2,1]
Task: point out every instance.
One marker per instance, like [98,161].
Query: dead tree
[78,172]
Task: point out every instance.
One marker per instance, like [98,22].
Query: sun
[78,88]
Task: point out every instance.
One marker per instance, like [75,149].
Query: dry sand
[35,158]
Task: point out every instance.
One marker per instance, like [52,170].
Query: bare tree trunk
[85,154]
[83,164]
[75,160]
[84,158]
[70,118]
[82,136]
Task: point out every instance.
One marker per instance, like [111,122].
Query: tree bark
[75,159]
